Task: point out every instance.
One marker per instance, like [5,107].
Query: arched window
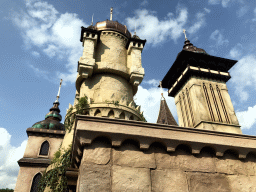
[44,148]
[35,183]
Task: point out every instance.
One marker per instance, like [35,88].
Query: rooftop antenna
[111,13]
[162,94]
[58,96]
[92,19]
[184,31]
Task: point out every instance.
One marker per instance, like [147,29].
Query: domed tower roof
[190,47]
[53,118]
[112,26]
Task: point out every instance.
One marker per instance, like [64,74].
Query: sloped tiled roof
[165,115]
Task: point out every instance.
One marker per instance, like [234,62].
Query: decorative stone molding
[45,133]
[117,131]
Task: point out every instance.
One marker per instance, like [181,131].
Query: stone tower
[44,139]
[110,70]
[197,81]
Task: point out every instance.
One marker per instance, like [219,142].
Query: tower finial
[184,31]
[135,28]
[58,96]
[111,13]
[92,19]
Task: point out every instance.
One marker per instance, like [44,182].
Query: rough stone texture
[206,182]
[130,179]
[25,177]
[182,160]
[98,153]
[168,180]
[111,52]
[94,178]
[242,183]
[131,156]
[34,144]
[229,164]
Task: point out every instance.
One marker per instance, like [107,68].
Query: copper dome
[112,26]
[52,119]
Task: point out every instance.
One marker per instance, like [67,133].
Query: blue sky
[40,45]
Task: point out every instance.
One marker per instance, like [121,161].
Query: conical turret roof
[165,116]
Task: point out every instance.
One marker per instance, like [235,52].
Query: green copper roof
[52,119]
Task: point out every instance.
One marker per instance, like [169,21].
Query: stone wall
[127,168]
[34,145]
[25,178]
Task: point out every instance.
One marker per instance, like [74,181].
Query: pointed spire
[111,13]
[165,115]
[92,19]
[53,118]
[135,28]
[58,95]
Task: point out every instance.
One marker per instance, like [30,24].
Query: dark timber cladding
[186,58]
[165,115]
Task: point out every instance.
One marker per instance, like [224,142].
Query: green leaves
[56,178]
[70,117]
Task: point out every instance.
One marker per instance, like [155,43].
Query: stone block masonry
[165,165]
[127,168]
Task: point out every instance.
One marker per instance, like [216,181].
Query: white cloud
[9,155]
[224,3]
[254,14]
[198,24]
[236,51]
[242,11]
[57,35]
[154,30]
[243,76]
[218,38]
[247,118]
[35,53]
[149,100]
[152,82]
[149,27]
[207,10]
[39,72]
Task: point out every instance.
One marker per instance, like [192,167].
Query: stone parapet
[118,155]
[89,128]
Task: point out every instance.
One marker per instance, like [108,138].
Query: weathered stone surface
[130,179]
[184,161]
[207,182]
[250,165]
[98,153]
[94,178]
[129,155]
[169,180]
[242,183]
[25,178]
[231,165]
